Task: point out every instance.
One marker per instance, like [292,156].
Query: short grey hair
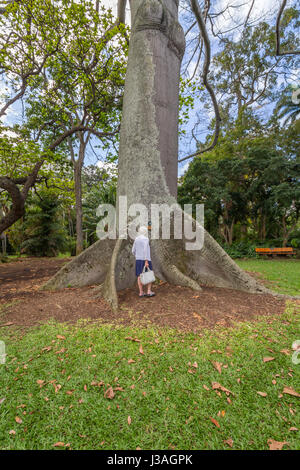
[143,230]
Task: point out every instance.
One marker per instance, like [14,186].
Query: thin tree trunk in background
[78,206]
[77,169]
[244,231]
[263,227]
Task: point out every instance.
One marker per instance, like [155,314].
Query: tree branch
[197,11]
[278,52]
[8,2]
[11,185]
[249,12]
[121,11]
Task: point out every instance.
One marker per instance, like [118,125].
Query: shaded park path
[22,304]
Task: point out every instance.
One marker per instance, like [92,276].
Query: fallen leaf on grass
[61,351]
[56,387]
[109,393]
[59,444]
[217,365]
[229,442]
[293,429]
[60,337]
[268,359]
[18,420]
[12,432]
[129,420]
[141,350]
[285,351]
[130,361]
[217,386]
[133,339]
[290,391]
[94,383]
[214,421]
[262,394]
[276,445]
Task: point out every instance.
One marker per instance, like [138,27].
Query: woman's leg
[149,291]
[149,288]
[140,286]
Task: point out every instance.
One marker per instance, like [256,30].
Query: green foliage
[99,188]
[17,155]
[242,249]
[44,229]
[249,183]
[246,70]
[188,91]
[85,78]
[58,57]
[16,235]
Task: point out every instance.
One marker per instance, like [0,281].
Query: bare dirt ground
[23,304]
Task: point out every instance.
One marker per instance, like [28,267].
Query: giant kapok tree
[148,160]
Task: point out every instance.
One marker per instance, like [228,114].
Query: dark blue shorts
[139,266]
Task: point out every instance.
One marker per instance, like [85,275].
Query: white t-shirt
[141,248]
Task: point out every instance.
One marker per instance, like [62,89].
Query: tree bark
[77,168]
[148,165]
[78,208]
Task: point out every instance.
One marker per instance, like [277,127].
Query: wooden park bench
[286,251]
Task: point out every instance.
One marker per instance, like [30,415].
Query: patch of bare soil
[23,304]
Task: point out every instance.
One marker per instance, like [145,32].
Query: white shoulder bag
[147,276]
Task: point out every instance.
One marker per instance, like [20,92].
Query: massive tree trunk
[148,167]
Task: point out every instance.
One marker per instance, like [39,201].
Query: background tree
[43,52]
[249,186]
[83,84]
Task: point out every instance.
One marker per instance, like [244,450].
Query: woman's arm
[147,254]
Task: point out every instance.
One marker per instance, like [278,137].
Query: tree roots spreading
[109,263]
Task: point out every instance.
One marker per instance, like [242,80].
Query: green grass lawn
[283,275]
[57,388]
